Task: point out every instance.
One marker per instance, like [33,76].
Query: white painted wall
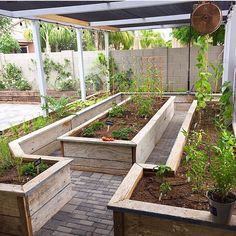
[29,69]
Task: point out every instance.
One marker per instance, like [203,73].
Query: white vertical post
[106,37]
[81,64]
[39,63]
[230,47]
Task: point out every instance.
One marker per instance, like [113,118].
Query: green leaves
[202,85]
[122,133]
[223,164]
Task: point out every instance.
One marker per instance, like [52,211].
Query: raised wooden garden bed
[116,157]
[133,217]
[138,210]
[24,209]
[44,141]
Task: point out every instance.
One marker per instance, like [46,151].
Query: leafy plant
[223,165]
[226,104]
[116,111]
[26,127]
[144,104]
[89,132]
[94,80]
[31,170]
[12,78]
[57,105]
[196,158]
[165,188]
[217,74]
[39,122]
[162,171]
[6,160]
[121,81]
[122,133]
[202,85]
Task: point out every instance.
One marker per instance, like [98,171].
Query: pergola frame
[67,15]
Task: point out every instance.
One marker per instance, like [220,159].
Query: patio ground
[11,114]
[86,213]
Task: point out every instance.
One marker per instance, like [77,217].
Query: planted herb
[89,132]
[31,170]
[122,133]
[116,111]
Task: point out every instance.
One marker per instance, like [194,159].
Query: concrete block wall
[173,63]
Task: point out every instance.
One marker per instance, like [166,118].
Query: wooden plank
[43,137]
[151,133]
[24,217]
[10,225]
[93,162]
[64,19]
[46,212]
[39,180]
[145,225]
[128,184]
[100,170]
[99,152]
[118,219]
[49,189]
[169,212]
[9,205]
[48,149]
[175,156]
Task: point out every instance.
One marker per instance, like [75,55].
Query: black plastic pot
[221,212]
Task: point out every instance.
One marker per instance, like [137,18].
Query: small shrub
[196,158]
[66,84]
[223,165]
[97,125]
[39,122]
[58,106]
[116,111]
[162,172]
[89,132]
[12,78]
[31,170]
[122,133]
[144,105]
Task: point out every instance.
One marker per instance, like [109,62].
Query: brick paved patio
[86,214]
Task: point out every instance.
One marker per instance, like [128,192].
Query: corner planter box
[24,209]
[133,217]
[116,157]
[142,218]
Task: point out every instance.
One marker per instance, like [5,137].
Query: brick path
[162,150]
[86,214]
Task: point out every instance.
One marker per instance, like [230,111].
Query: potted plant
[223,171]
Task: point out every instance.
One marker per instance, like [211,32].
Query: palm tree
[121,40]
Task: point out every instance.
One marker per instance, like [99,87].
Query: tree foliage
[151,39]
[185,34]
[7,43]
[121,40]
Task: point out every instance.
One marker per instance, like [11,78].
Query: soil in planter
[130,119]
[10,176]
[181,194]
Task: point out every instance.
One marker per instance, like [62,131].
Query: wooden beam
[74,22]
[63,19]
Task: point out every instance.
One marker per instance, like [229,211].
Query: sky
[166,33]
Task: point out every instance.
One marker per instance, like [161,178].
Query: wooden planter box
[142,218]
[24,209]
[116,157]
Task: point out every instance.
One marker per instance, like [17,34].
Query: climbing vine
[202,85]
